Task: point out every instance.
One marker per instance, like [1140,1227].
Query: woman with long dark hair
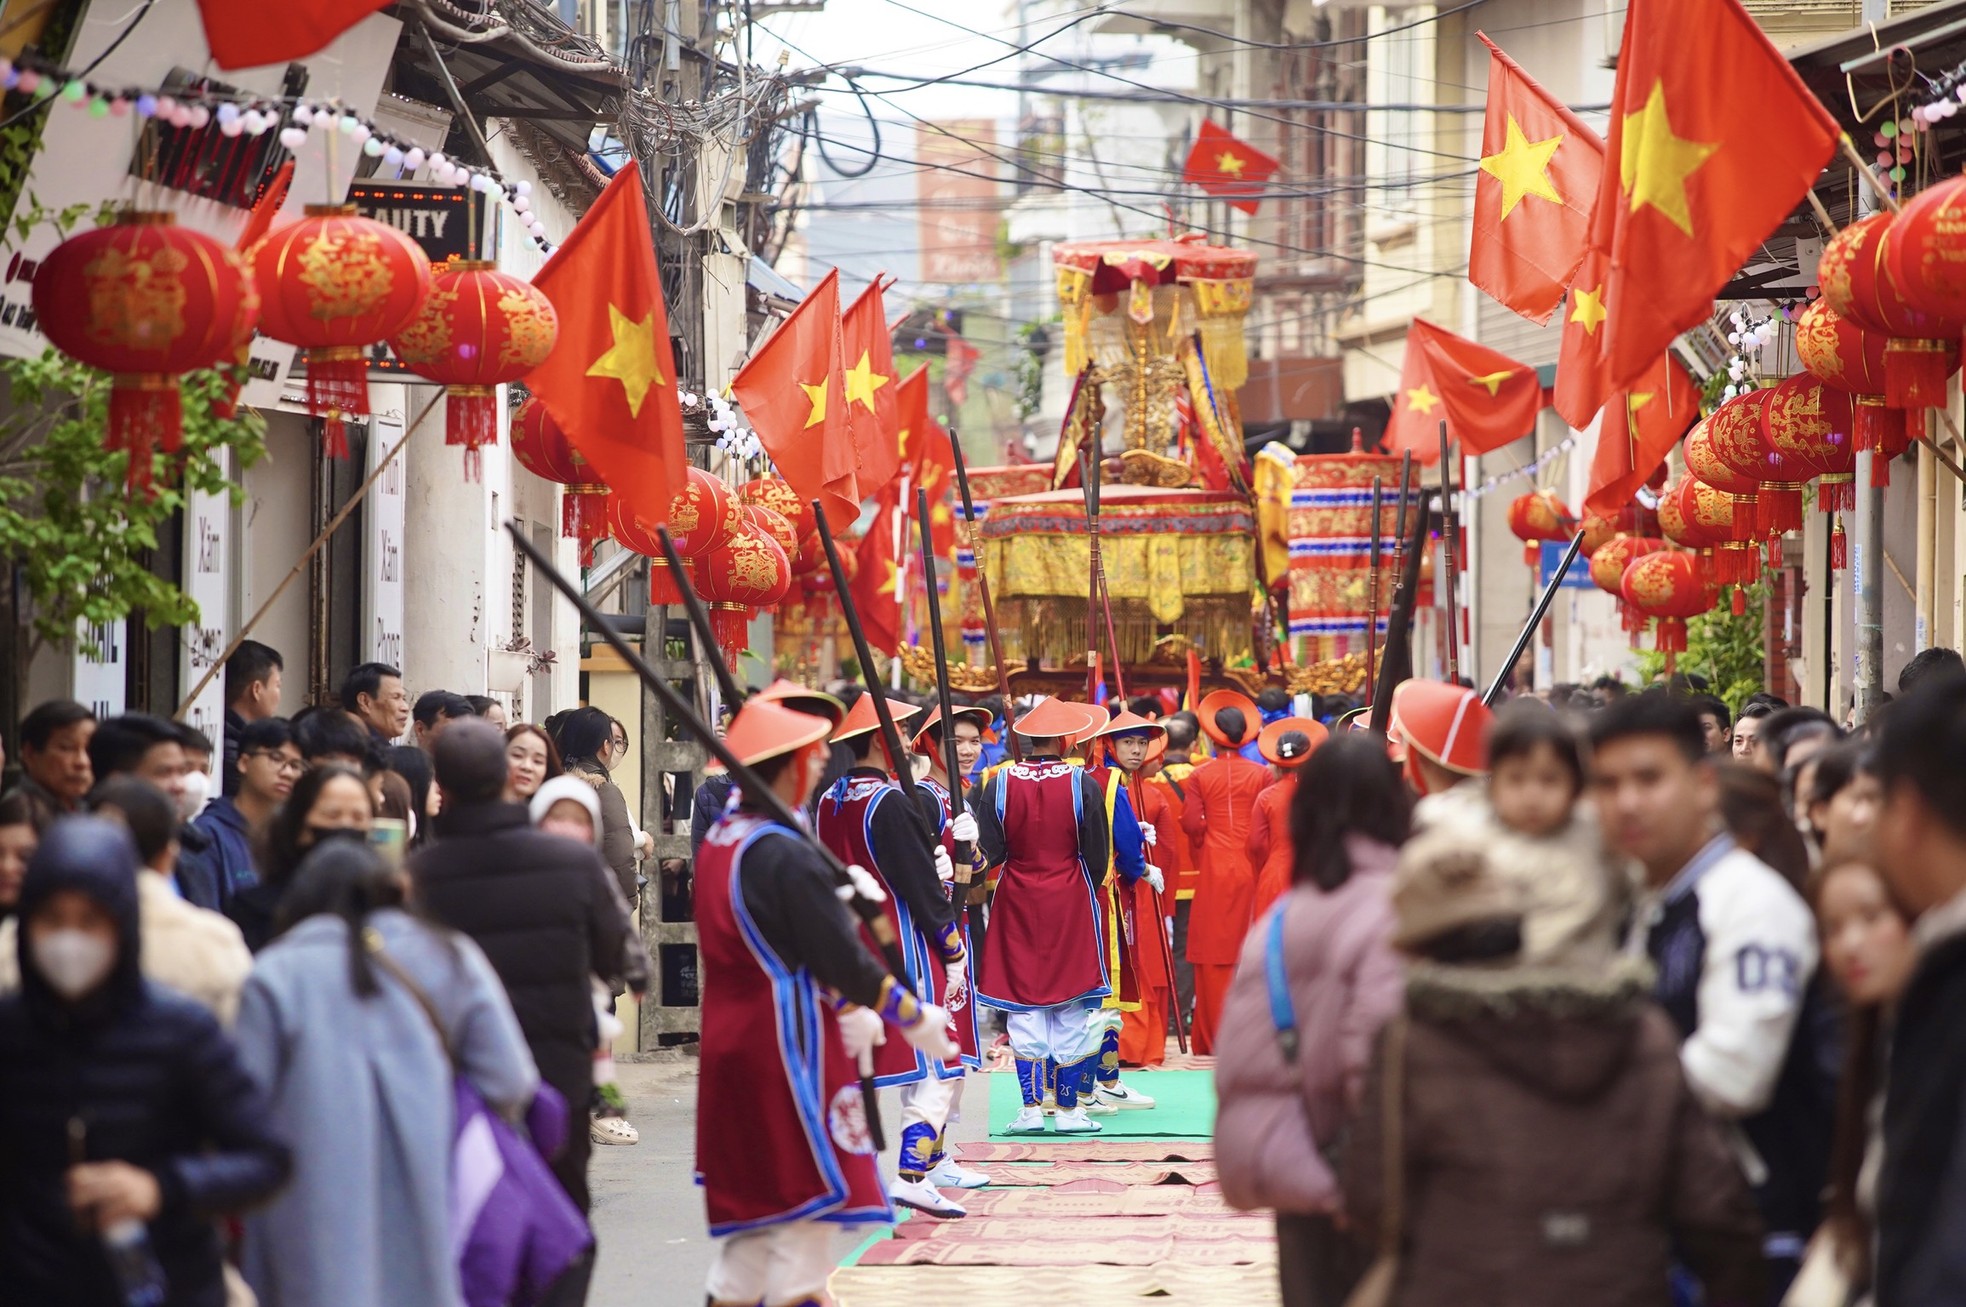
[328,802]
[1288,1073]
[534,760]
[333,1027]
[587,746]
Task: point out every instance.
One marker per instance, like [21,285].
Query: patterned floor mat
[1167,1285]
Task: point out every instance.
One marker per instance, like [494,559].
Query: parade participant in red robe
[1143,1034]
[865,818]
[956,834]
[1042,829]
[1125,742]
[1221,802]
[1285,744]
[792,999]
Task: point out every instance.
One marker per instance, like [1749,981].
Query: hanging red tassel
[1781,507]
[145,413]
[471,420]
[1532,554]
[1740,604]
[1837,494]
[1774,553]
[1839,549]
[731,624]
[662,582]
[337,387]
[1671,637]
[1915,372]
[584,517]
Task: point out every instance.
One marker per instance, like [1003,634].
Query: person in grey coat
[361,1085]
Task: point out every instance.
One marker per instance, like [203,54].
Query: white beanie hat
[567,787]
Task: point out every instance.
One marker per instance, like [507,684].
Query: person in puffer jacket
[1286,1099]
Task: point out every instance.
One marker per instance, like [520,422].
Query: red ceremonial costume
[1143,1034]
[770,934]
[1270,849]
[1221,803]
[1045,946]
[962,1012]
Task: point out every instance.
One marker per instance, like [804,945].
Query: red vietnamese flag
[1227,168]
[794,393]
[870,391]
[1657,412]
[1486,398]
[248,34]
[1583,379]
[877,581]
[928,459]
[1539,176]
[610,381]
[1714,141]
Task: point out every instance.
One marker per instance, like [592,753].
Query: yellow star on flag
[1523,168]
[890,583]
[1493,380]
[1587,308]
[1232,164]
[1653,164]
[1422,400]
[631,359]
[816,395]
[862,381]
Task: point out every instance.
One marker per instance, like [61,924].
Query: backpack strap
[372,941]
[1276,977]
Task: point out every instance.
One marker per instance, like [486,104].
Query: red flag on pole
[870,390]
[1714,142]
[250,34]
[610,382]
[1540,170]
[1228,168]
[877,582]
[1657,412]
[1487,398]
[794,392]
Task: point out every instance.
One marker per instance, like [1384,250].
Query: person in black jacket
[135,1080]
[1921,844]
[536,904]
[152,749]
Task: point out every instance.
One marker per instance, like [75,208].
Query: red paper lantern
[701,518]
[811,556]
[745,573]
[629,531]
[1923,350]
[1536,517]
[1667,587]
[1608,566]
[1852,358]
[1598,529]
[777,494]
[144,300]
[1811,423]
[774,525]
[1739,439]
[1680,528]
[334,284]
[543,449]
[1926,251]
[479,329]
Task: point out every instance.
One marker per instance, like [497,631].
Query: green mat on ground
[1184,1108]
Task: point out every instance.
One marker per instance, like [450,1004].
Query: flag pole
[1447,541]
[964,853]
[1541,611]
[1372,598]
[1396,661]
[983,589]
[872,914]
[699,620]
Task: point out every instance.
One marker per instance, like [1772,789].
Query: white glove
[861,1030]
[955,982]
[1154,878]
[931,1033]
[945,870]
[963,828]
[864,886]
[1150,836]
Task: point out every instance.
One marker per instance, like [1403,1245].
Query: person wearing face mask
[330,802]
[152,749]
[126,1118]
[196,789]
[534,902]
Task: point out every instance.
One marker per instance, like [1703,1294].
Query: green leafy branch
[1724,648]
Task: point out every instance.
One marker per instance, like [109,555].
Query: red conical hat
[981,716]
[1447,723]
[1057,718]
[1278,742]
[1127,723]
[862,717]
[1215,701]
[763,730]
[799,698]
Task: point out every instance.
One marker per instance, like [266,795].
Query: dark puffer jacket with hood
[1553,1154]
[150,1078]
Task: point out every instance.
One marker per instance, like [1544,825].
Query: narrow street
[1134,1212]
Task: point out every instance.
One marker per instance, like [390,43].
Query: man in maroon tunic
[1041,824]
[792,1000]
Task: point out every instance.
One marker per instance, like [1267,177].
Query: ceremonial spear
[1372,600]
[1447,543]
[1542,610]
[946,701]
[1089,484]
[872,914]
[983,589]
[1396,664]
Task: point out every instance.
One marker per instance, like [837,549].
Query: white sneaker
[1093,1105]
[924,1197]
[948,1174]
[1030,1121]
[1122,1095]
[1076,1122]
